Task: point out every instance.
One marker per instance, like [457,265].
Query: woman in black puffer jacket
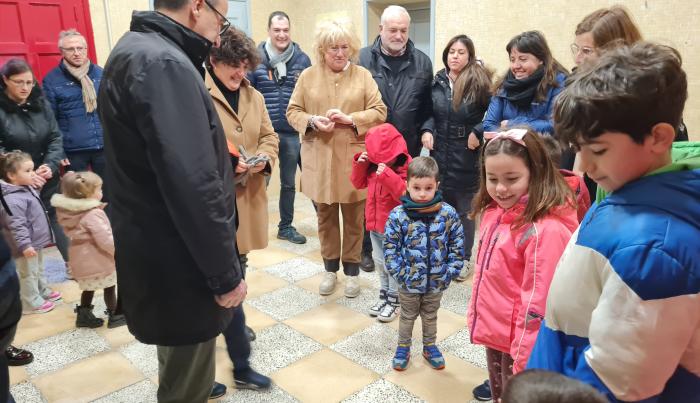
[461,93]
[27,124]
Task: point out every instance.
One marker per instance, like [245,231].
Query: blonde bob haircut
[329,33]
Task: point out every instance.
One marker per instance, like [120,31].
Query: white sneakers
[466,271]
[327,285]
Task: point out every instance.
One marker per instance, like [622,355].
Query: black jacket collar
[33,101]
[195,46]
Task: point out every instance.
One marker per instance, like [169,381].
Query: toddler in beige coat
[81,213]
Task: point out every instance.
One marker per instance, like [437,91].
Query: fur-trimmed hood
[71,211]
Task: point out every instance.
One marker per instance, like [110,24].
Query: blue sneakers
[433,356]
[403,354]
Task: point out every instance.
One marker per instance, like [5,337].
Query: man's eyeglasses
[225,24]
[21,83]
[585,50]
[78,49]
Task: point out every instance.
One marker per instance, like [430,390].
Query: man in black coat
[404,75]
[172,192]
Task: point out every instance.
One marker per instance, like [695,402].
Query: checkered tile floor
[316,349]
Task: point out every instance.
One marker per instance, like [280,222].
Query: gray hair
[394,11]
[67,34]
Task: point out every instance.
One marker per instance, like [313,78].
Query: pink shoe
[54,296]
[45,307]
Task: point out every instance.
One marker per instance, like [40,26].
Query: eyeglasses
[336,49]
[78,49]
[21,83]
[225,24]
[585,50]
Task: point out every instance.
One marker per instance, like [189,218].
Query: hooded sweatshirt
[384,143]
[92,246]
[623,312]
[28,219]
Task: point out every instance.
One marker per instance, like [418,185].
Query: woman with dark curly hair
[249,131]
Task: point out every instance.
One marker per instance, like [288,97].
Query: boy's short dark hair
[535,386]
[629,90]
[553,149]
[423,167]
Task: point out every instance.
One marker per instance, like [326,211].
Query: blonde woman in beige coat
[334,103]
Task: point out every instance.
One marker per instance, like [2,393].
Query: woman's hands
[337,116]
[473,141]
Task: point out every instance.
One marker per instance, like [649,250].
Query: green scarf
[422,210]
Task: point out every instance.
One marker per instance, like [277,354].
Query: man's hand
[234,297]
[427,140]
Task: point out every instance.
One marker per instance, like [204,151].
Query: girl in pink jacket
[528,214]
[80,212]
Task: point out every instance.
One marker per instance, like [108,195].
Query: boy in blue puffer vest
[423,251]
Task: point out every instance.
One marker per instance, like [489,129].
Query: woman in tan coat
[334,103]
[241,109]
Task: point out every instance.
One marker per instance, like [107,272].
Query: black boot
[86,318]
[18,356]
[367,262]
[332,265]
[115,319]
[250,333]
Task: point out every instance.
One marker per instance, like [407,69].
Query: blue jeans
[237,342]
[461,200]
[386,281]
[289,159]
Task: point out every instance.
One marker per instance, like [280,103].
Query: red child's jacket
[383,143]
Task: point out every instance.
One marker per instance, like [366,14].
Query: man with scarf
[404,75]
[71,88]
[275,77]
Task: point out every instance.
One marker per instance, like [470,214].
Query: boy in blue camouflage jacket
[423,251]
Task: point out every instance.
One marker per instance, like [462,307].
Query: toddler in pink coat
[80,212]
[528,214]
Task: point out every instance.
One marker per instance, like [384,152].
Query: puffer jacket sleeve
[358,175]
[375,110]
[494,114]
[393,182]
[393,244]
[455,246]
[542,246]
[54,150]
[97,224]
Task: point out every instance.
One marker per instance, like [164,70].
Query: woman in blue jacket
[525,95]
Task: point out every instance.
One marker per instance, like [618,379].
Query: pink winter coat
[514,268]
[91,249]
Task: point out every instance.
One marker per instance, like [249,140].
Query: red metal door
[29,29]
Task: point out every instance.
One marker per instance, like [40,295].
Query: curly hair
[236,48]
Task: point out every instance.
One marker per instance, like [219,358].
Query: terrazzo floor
[316,349]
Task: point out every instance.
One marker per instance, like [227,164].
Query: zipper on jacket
[475,296]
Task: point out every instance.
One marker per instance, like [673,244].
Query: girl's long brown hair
[547,188]
[473,84]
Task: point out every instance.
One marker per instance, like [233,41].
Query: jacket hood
[71,211]
[195,46]
[34,101]
[674,189]
[8,188]
[385,143]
